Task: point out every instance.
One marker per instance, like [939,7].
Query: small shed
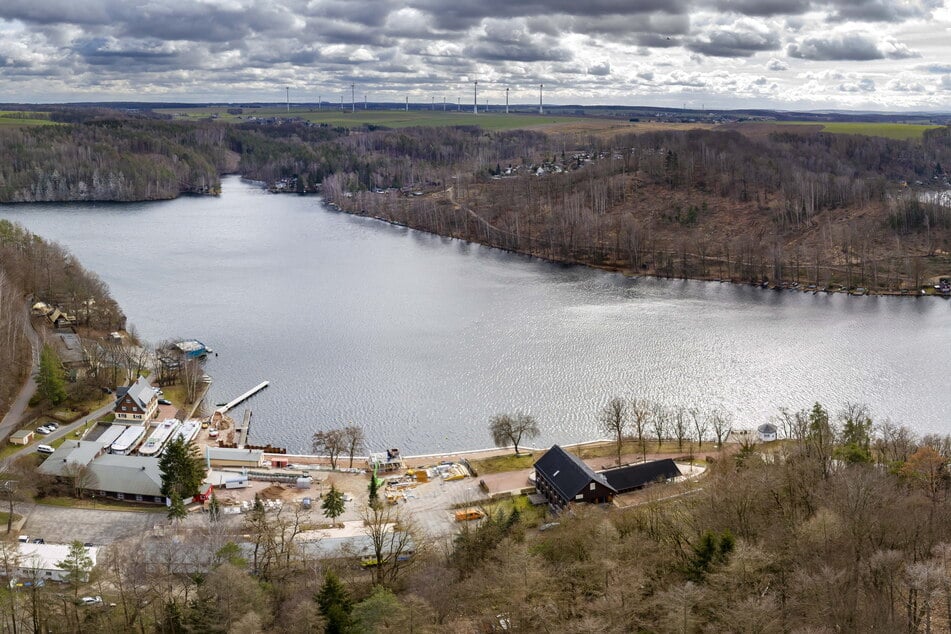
[22,437]
[229,457]
[767,432]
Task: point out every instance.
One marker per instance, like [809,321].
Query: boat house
[563,478]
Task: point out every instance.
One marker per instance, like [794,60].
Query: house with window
[563,478]
[130,478]
[138,402]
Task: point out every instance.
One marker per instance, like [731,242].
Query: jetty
[230,404]
[241,431]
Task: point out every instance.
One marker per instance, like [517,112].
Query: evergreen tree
[176,510]
[50,379]
[335,604]
[333,504]
[214,508]
[77,565]
[182,469]
[374,490]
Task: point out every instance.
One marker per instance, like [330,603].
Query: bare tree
[659,422]
[331,443]
[354,437]
[395,539]
[17,484]
[680,426]
[700,425]
[192,376]
[509,430]
[80,477]
[722,424]
[613,420]
[640,417]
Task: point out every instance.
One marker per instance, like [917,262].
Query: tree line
[842,527]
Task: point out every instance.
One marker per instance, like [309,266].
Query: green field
[387,118]
[902,131]
[19,118]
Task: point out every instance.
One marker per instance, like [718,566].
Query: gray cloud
[600,70]
[776,64]
[883,10]
[848,46]
[507,41]
[742,42]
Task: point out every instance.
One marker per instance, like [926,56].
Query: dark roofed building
[563,478]
[636,476]
[138,402]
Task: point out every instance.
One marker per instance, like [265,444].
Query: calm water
[421,339]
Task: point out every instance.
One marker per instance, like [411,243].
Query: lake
[421,339]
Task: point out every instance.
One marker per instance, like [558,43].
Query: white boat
[188,430]
[128,440]
[159,437]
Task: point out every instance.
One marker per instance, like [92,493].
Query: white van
[44,449]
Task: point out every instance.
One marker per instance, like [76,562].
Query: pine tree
[182,469]
[176,510]
[214,508]
[335,604]
[374,490]
[333,504]
[50,379]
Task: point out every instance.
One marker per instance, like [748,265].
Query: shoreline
[833,289]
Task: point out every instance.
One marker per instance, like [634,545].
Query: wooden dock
[230,404]
[241,431]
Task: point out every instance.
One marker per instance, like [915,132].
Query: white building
[41,561]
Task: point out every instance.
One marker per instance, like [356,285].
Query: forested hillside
[794,206]
[806,208]
[115,160]
[31,270]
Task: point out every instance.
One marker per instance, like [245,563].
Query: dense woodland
[784,205]
[842,528]
[33,269]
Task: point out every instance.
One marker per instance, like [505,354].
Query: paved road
[64,430]
[14,416]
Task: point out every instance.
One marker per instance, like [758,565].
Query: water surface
[421,339]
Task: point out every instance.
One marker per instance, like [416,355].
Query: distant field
[16,118]
[390,118]
[902,131]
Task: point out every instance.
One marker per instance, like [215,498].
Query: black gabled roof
[567,473]
[637,475]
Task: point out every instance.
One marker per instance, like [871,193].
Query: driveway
[62,525]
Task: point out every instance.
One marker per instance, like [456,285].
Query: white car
[44,449]
[91,601]
[44,430]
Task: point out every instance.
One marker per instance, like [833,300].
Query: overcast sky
[798,54]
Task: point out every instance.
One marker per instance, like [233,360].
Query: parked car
[97,600]
[44,449]
[44,430]
[306,503]
[39,540]
[164,401]
[51,425]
